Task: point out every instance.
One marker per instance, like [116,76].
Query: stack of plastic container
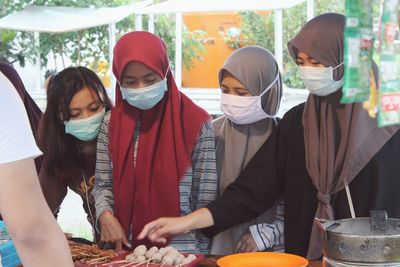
[9,256]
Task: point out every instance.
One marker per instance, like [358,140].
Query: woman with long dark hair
[76,104]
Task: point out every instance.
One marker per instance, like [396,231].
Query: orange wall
[204,74]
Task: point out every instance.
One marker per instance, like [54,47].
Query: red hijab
[168,134]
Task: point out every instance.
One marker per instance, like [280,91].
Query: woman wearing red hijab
[155,151]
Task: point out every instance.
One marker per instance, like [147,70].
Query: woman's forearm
[199,219]
[163,228]
[33,228]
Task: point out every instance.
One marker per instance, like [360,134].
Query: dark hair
[61,155]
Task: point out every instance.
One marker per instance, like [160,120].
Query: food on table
[139,251]
[91,254]
[162,256]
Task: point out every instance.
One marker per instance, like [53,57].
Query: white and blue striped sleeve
[103,191]
[270,235]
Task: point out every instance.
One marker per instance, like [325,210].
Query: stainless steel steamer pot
[372,240]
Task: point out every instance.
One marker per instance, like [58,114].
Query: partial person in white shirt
[37,237]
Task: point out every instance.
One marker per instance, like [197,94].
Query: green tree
[258,29]
[193,47]
[15,47]
[89,47]
[164,26]
[82,47]
[192,41]
[293,26]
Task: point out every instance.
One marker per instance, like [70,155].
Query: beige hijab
[340,139]
[256,69]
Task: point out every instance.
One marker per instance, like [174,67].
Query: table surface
[211,261]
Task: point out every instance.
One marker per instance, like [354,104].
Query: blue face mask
[146,97]
[319,81]
[85,129]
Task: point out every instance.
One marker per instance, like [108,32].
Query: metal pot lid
[376,225]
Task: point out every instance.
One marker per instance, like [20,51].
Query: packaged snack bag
[372,104]
[358,50]
[389,90]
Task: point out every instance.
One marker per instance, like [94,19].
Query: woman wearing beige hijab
[318,149]
[251,94]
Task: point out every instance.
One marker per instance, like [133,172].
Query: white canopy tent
[57,19]
[192,6]
[54,19]
[195,6]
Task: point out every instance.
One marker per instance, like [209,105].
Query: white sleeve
[270,235]
[16,138]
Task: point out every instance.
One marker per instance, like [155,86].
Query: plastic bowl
[262,259]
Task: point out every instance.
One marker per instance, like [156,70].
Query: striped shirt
[270,235]
[197,188]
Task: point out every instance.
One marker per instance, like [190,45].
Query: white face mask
[319,81]
[245,109]
[146,97]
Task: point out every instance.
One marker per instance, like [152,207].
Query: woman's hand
[160,230]
[112,231]
[246,244]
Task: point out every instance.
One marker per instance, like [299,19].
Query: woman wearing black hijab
[318,148]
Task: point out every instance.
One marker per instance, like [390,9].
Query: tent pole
[38,85]
[111,44]
[178,49]
[310,9]
[151,23]
[279,38]
[138,22]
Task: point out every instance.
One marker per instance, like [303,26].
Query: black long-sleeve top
[279,168]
